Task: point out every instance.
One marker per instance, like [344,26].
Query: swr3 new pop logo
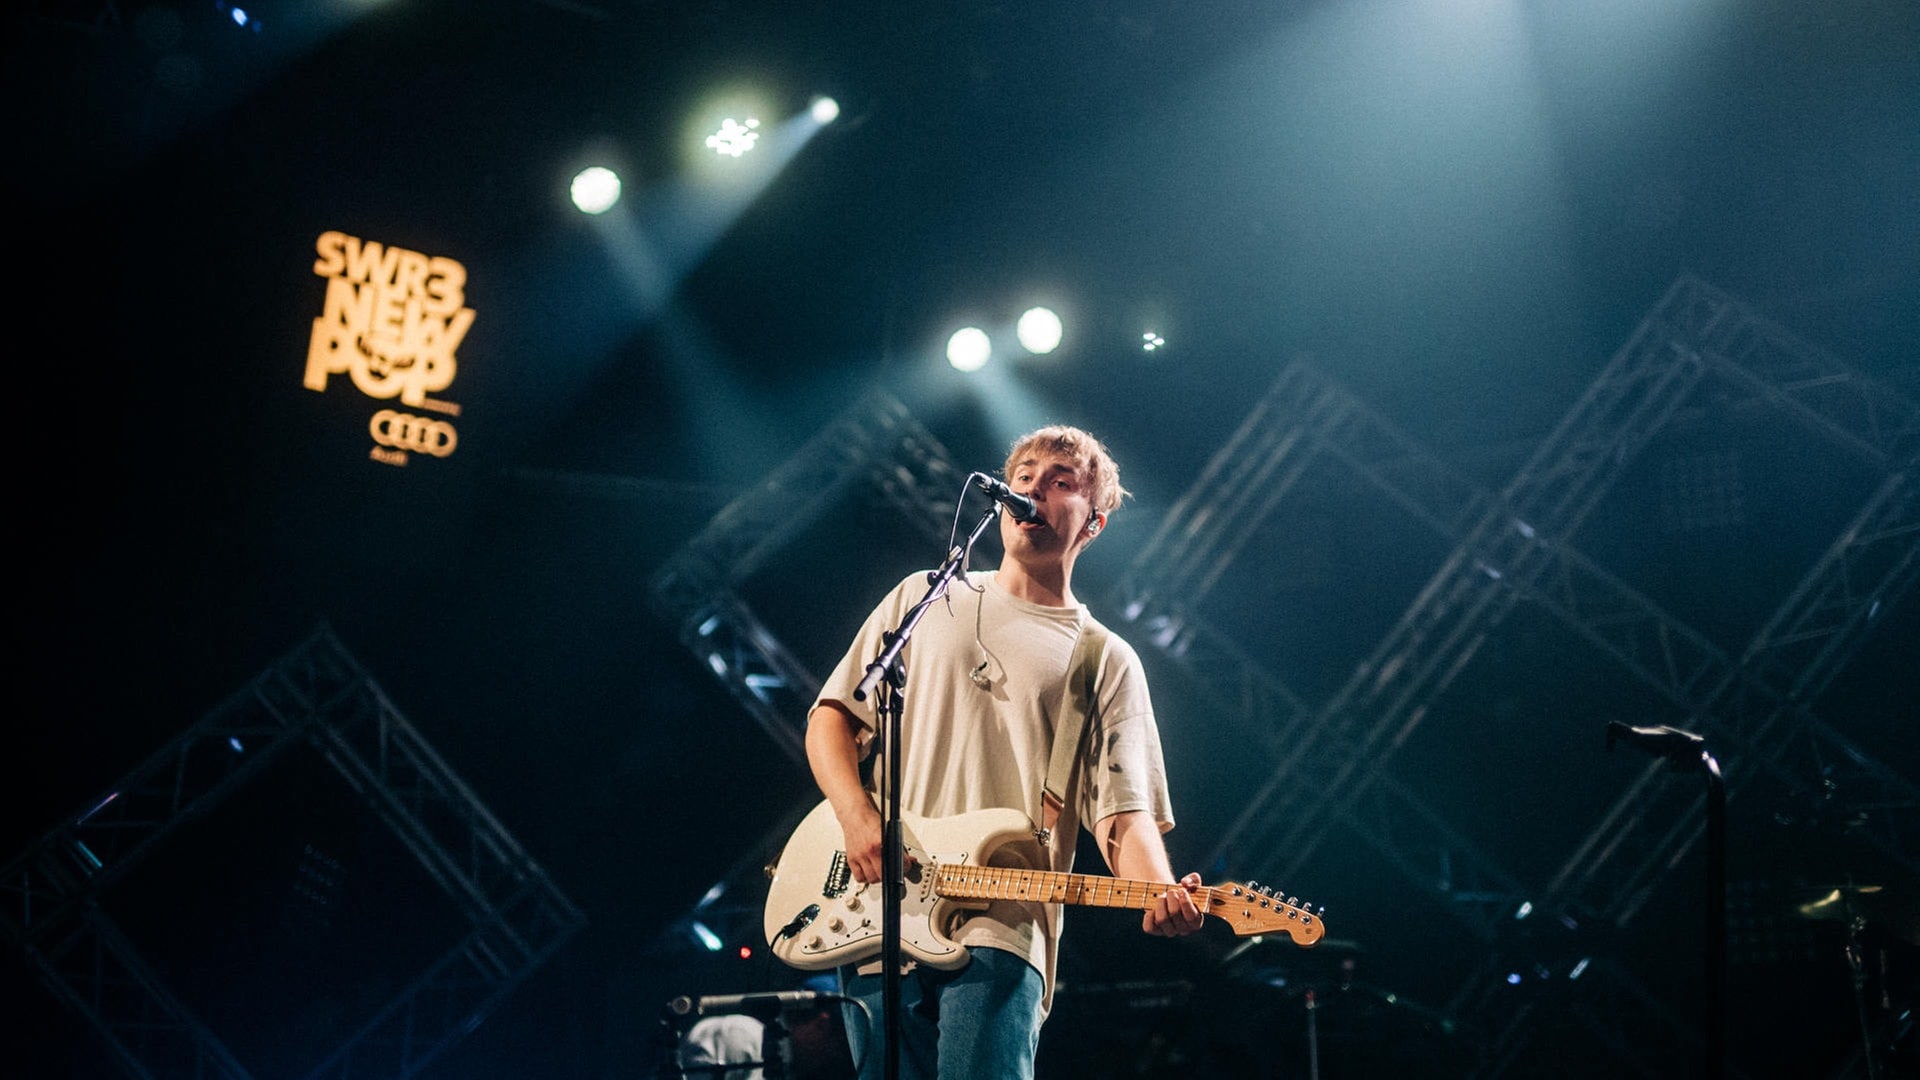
[391,323]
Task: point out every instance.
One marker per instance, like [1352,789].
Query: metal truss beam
[875,445]
[1511,553]
[1388,694]
[431,810]
[1757,711]
[1759,358]
[1641,1034]
[1631,399]
[1431,853]
[1865,572]
[460,990]
[767,680]
[318,695]
[185,779]
[148,1031]
[1758,705]
[1305,418]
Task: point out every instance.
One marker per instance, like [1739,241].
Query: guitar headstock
[1256,909]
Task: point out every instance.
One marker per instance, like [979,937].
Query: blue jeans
[982,1021]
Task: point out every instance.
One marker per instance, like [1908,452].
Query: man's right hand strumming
[833,753]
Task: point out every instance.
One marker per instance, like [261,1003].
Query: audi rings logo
[405,431]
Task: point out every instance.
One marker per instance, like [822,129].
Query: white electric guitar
[817,917]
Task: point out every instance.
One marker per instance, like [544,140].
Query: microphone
[753,1004]
[1680,748]
[1019,507]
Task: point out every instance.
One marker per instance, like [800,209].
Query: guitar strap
[1078,703]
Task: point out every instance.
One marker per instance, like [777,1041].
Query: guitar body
[818,917]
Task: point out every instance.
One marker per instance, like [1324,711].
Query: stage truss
[317,696]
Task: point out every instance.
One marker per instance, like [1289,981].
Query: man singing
[986,678]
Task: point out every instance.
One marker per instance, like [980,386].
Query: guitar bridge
[839,876]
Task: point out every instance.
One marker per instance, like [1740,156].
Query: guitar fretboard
[966,882]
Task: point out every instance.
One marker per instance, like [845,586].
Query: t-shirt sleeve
[1125,770]
[839,685]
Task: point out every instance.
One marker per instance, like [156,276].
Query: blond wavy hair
[1089,455]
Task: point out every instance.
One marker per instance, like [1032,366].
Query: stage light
[234,741]
[728,122]
[969,348]
[97,807]
[1513,978]
[734,138]
[240,16]
[595,190]
[1039,330]
[762,685]
[1152,342]
[1580,968]
[1525,909]
[707,938]
[824,110]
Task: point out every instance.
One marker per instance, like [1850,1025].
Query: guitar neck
[966,882]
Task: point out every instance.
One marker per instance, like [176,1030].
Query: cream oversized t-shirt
[971,747]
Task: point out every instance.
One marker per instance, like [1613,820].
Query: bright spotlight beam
[1039,330]
[734,138]
[969,349]
[595,189]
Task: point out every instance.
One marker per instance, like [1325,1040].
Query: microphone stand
[1685,751]
[887,673]
[1716,916]
[1313,1036]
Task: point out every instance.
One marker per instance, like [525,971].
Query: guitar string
[1133,892]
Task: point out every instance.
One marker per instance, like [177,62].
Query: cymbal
[1875,905]
[1840,903]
